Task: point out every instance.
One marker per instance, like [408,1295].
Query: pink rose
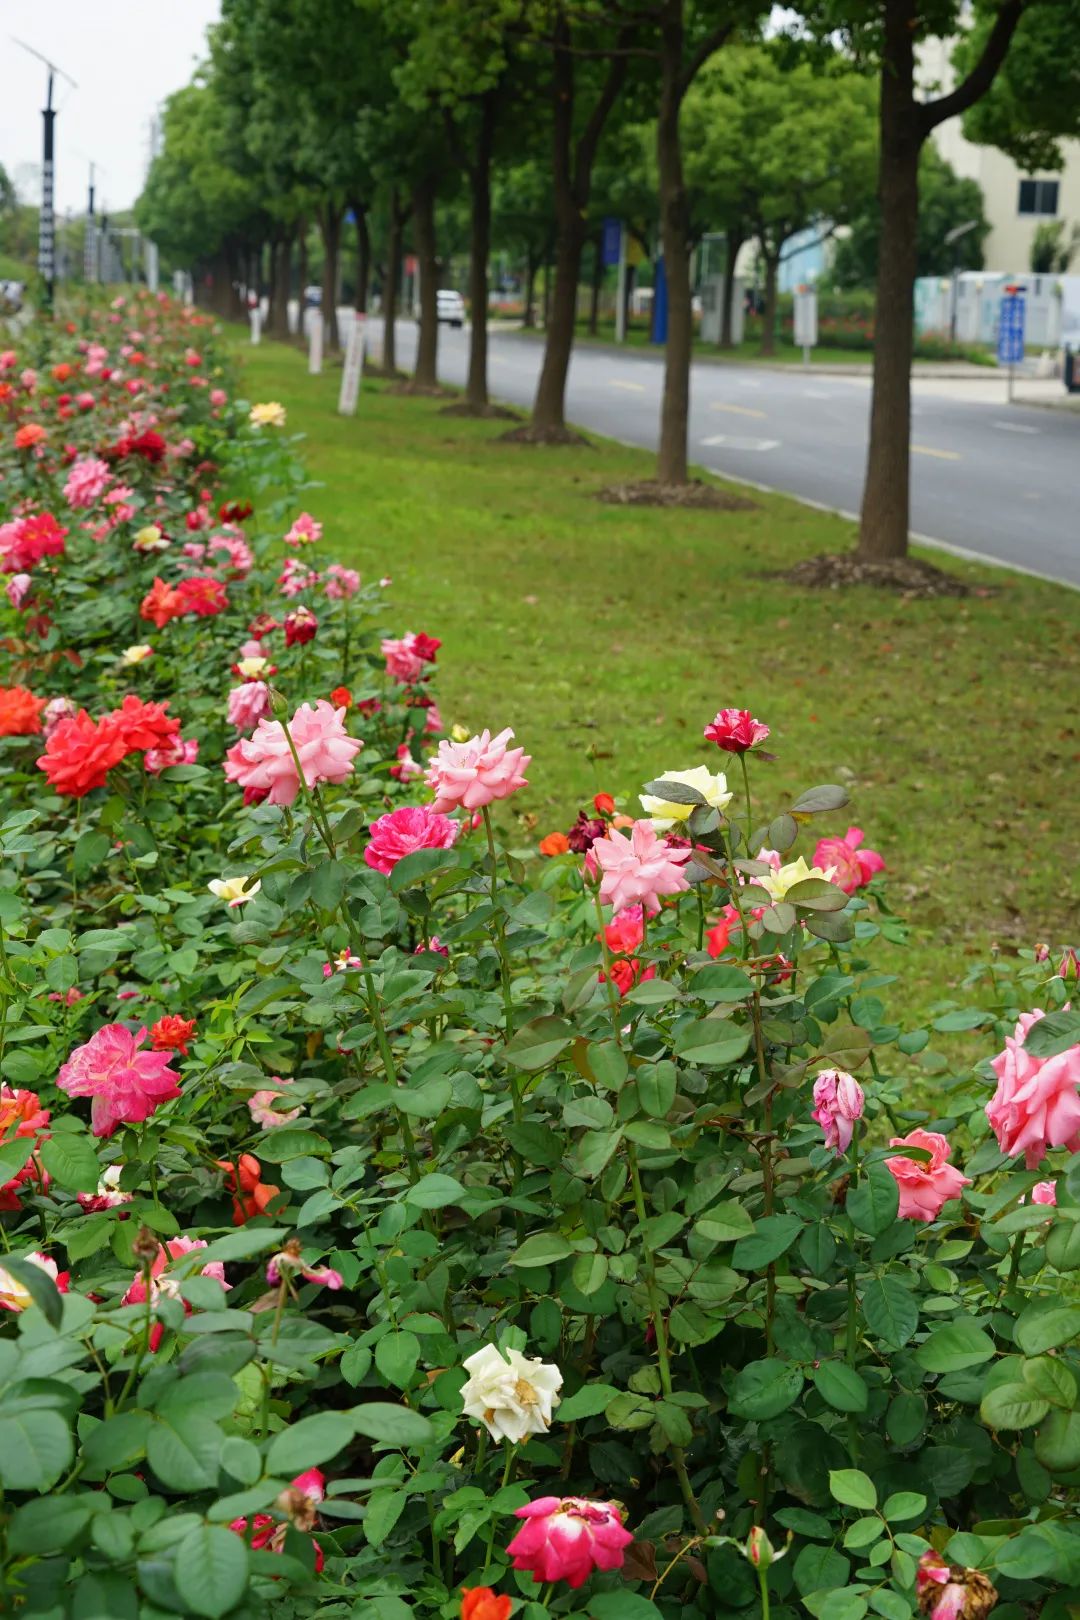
[640,869]
[262,1110]
[1043,1192]
[17,587]
[852,867]
[1037,1102]
[126,1085]
[477,772]
[736,731]
[248,704]
[838,1103]
[341,583]
[264,764]
[925,1187]
[566,1538]
[404,831]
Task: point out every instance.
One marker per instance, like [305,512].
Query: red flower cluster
[235,511]
[145,725]
[148,444]
[80,752]
[201,594]
[250,1196]
[26,541]
[21,1114]
[20,712]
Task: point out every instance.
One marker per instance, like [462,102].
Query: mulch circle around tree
[484,413]
[421,390]
[905,576]
[540,436]
[697,495]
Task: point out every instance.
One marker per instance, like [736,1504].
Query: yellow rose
[234,890]
[136,655]
[778,883]
[664,813]
[272,414]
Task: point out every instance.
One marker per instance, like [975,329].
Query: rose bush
[401,1220]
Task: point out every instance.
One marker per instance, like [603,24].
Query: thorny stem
[749,810]
[500,946]
[686,1547]
[612,992]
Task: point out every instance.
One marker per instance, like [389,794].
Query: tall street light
[47,217]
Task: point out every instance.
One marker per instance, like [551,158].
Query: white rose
[510,1395]
[664,814]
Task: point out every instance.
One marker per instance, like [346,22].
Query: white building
[1015,203]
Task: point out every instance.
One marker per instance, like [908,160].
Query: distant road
[1001,482]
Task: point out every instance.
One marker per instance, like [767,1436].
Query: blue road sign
[612,240]
[1010,346]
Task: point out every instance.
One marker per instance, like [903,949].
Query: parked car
[451,307]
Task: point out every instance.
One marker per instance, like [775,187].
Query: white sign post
[255,316]
[315,341]
[806,333]
[353,369]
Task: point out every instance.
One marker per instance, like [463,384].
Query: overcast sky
[125,56]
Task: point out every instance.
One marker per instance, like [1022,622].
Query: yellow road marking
[617,382]
[736,410]
[928,450]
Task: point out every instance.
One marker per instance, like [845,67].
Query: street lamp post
[952,236]
[47,218]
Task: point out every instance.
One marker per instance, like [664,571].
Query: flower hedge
[402,1220]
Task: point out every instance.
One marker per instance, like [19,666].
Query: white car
[451,307]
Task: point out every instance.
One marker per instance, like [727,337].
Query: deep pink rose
[852,867]
[404,831]
[476,772]
[1037,1102]
[126,1085]
[736,731]
[638,870]
[925,1187]
[566,1538]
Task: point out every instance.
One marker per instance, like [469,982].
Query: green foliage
[946,201]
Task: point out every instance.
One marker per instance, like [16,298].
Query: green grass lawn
[607,637]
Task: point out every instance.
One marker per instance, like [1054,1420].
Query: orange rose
[20,712]
[554,844]
[27,436]
[481,1603]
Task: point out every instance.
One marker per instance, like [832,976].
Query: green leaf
[675,792]
[724,1223]
[245,1244]
[862,1533]
[656,1089]
[393,1425]
[538,1043]
[1063,1245]
[35,1448]
[589,1401]
[820,1569]
[542,1249]
[873,1205]
[772,1236]
[384,1509]
[1052,1380]
[1057,1444]
[184,1453]
[242,1460]
[396,1356]
[764,1389]
[622,1605]
[816,894]
[714,1042]
[70,1159]
[589,1272]
[434,1191]
[90,850]
[817,1248]
[1041,1328]
[211,1570]
[39,1285]
[421,864]
[957,1344]
[50,1524]
[13,1155]
[841,1386]
[1012,1406]
[904,1505]
[816,800]
[853,1488]
[891,1311]
[311,1441]
[1055,1033]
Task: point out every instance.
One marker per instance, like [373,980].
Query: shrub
[381,1210]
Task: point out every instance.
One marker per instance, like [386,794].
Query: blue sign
[611,243]
[1010,346]
[658,333]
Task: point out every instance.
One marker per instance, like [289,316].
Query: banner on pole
[315,341]
[353,369]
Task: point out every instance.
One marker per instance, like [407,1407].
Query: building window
[1039,197]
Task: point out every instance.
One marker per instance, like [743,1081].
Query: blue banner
[1010,345]
[611,242]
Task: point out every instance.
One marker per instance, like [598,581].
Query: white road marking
[929,450]
[634,388]
[816,393]
[735,410]
[733,441]
[1015,427]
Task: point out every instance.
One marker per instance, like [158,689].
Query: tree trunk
[476,391]
[547,293]
[628,295]
[735,240]
[233,302]
[281,264]
[560,311]
[363,258]
[330,226]
[768,319]
[883,529]
[427,264]
[597,279]
[675,234]
[529,317]
[390,286]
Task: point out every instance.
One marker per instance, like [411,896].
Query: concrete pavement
[989,480]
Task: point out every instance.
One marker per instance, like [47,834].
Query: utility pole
[47,218]
[90,245]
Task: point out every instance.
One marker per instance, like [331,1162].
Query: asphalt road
[997,481]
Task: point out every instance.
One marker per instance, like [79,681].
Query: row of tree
[682,112]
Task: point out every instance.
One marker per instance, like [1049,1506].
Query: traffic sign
[1010,346]
[611,242]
